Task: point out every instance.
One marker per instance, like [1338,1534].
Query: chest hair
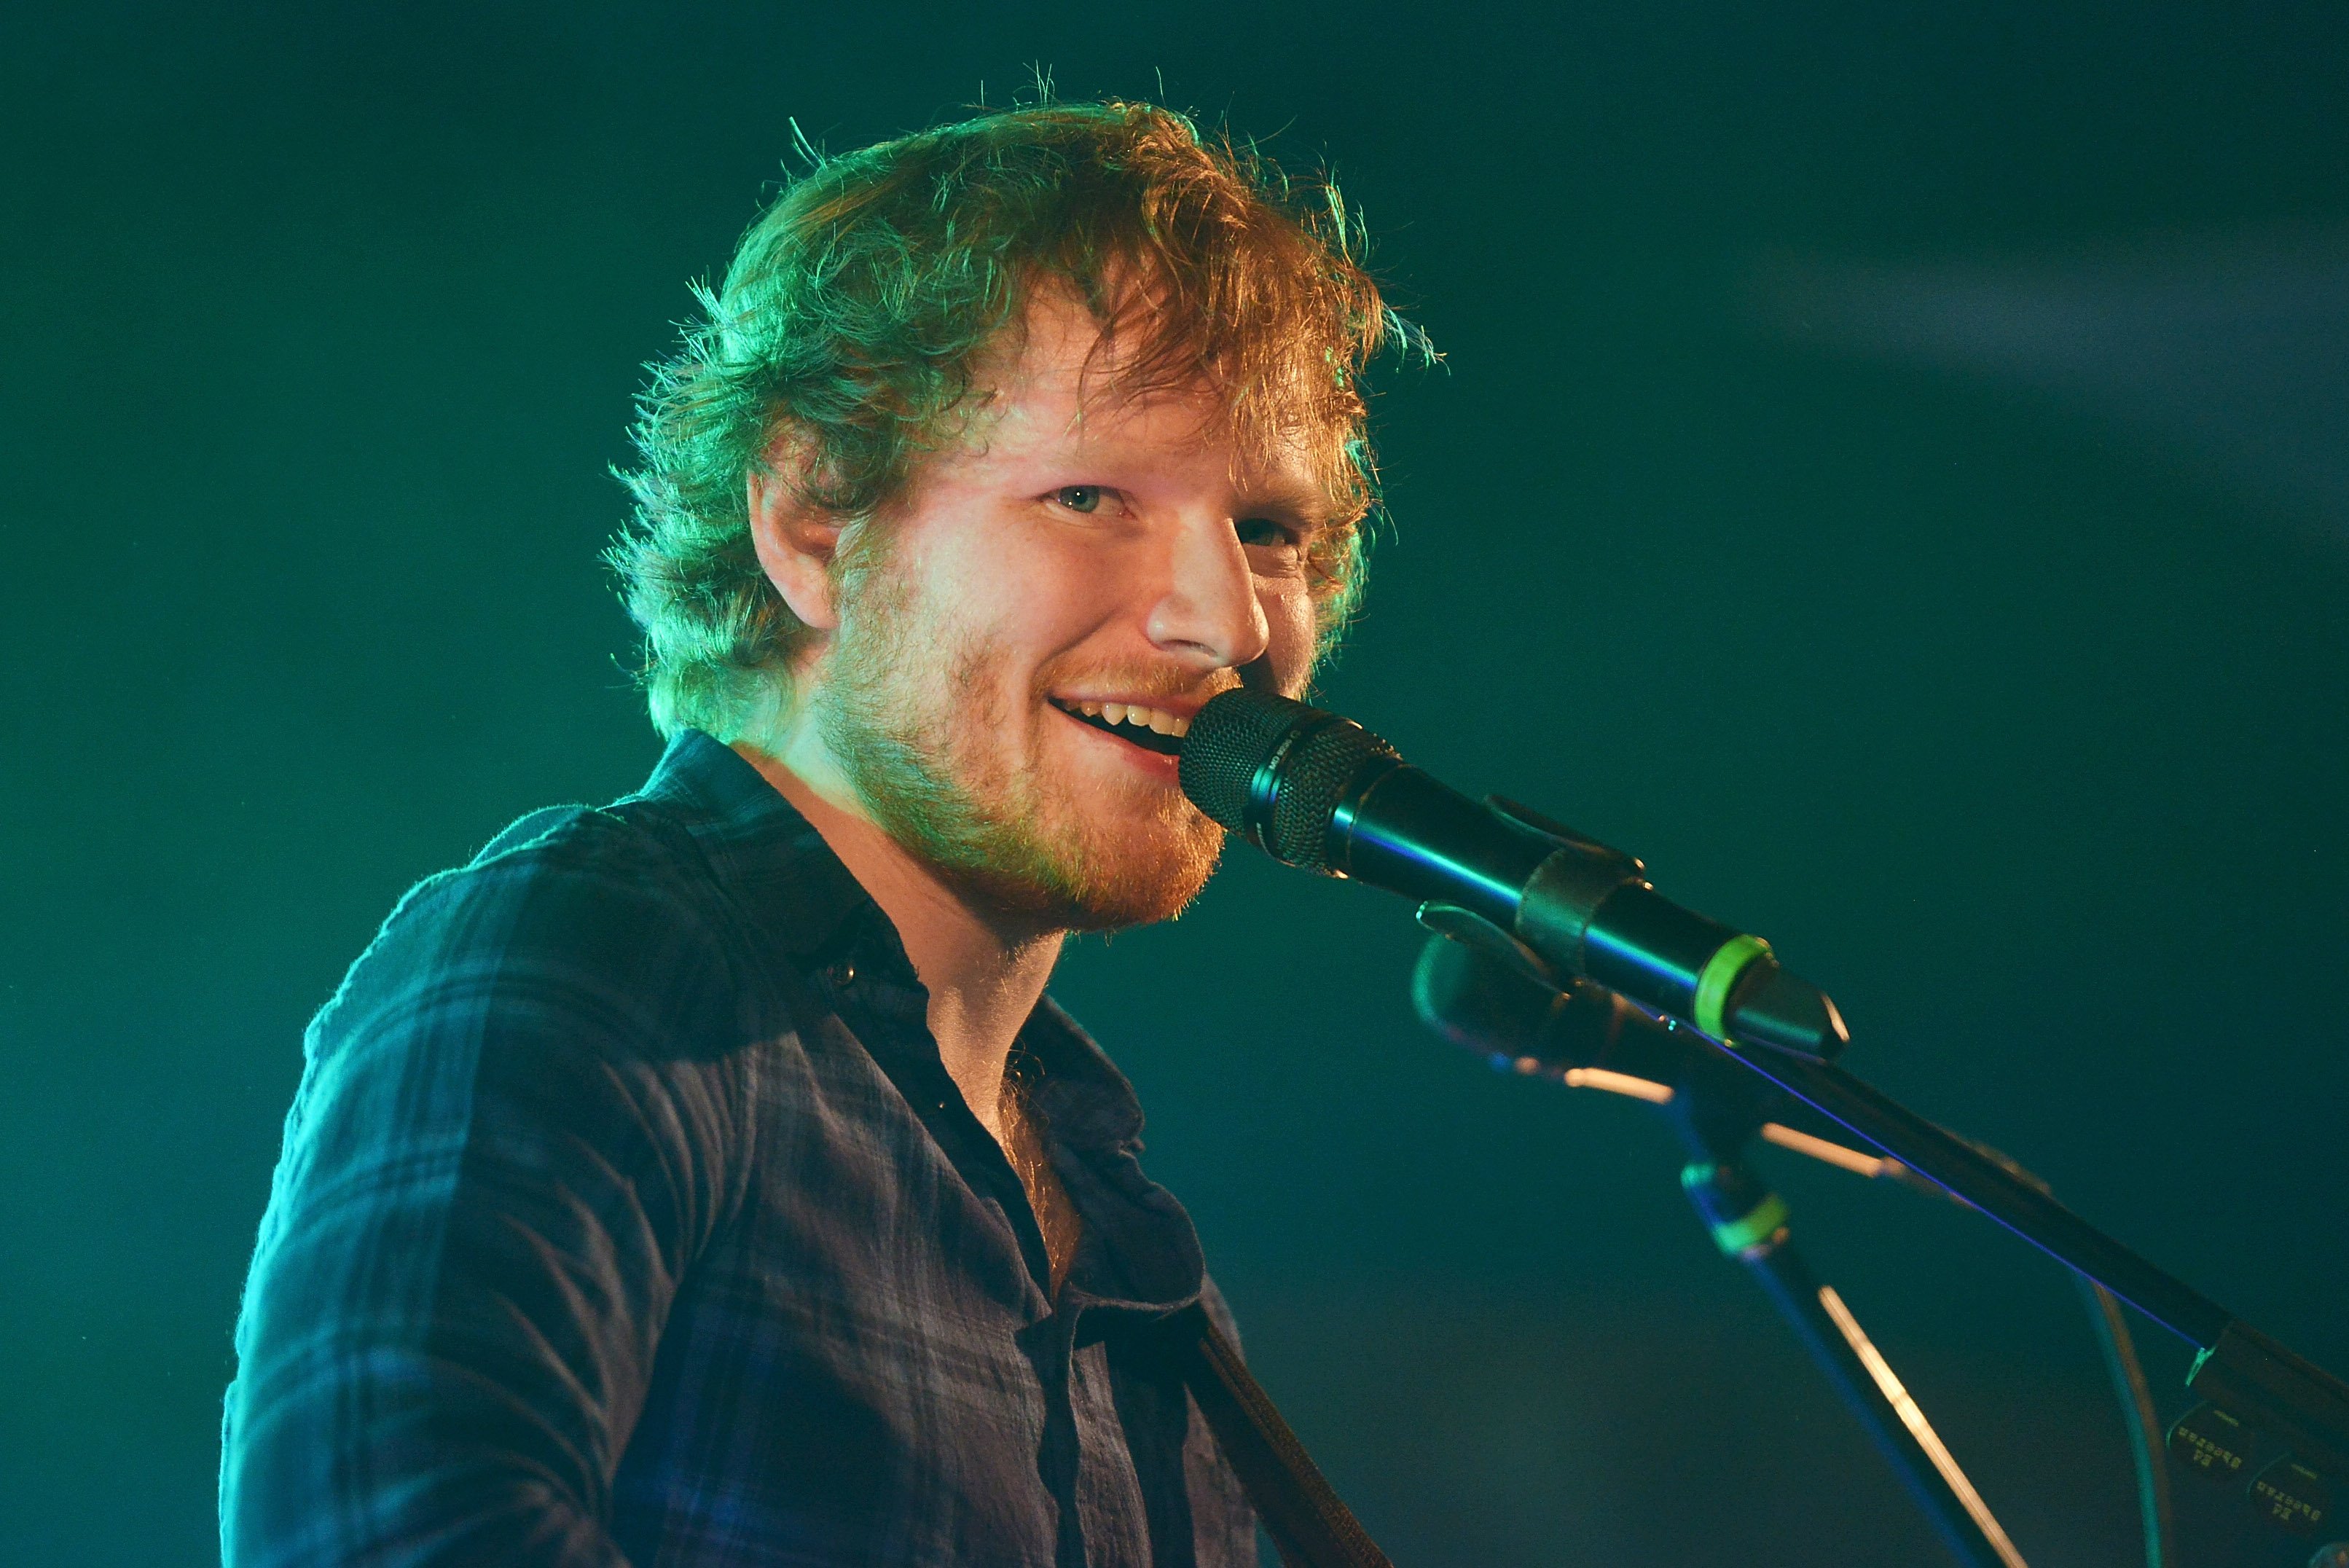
[1026,1144]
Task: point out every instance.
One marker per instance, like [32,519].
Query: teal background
[1889,472]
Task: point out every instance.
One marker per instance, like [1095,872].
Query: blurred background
[1890,470]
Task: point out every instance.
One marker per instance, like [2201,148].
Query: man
[705,1178]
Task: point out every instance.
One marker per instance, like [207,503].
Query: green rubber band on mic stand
[1736,1237]
[1749,1229]
[1720,973]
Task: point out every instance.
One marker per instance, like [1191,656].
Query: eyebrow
[1301,500]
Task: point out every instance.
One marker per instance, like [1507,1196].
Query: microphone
[1475,1000]
[1317,791]
[1588,1037]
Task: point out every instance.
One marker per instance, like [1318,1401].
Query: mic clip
[1564,837]
[1474,931]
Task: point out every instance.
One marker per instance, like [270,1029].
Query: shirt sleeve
[508,1144]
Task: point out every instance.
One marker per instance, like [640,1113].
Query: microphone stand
[2271,1423]
[2263,1402]
[1718,1117]
[1587,1038]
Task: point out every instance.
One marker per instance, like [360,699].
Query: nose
[1209,615]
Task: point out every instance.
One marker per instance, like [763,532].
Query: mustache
[1172,682]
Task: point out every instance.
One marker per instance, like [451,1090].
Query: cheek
[1006,591]
[1288,654]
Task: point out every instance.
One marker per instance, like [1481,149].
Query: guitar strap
[1311,1528]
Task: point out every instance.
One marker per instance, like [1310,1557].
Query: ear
[795,544]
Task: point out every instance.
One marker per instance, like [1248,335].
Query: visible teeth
[1157,719]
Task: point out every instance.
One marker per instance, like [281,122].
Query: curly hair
[854,316]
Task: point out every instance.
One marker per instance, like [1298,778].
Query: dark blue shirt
[627,1215]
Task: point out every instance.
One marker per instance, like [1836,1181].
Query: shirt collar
[773,860]
[766,853]
[1138,1250]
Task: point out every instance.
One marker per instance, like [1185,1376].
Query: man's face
[1067,560]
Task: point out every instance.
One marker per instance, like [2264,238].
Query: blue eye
[1079,497]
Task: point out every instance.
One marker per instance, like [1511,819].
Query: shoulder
[588,922]
[566,1003]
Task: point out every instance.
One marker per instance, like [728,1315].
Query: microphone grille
[1228,739]
[1313,779]
[1236,733]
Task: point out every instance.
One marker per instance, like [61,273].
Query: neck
[984,975]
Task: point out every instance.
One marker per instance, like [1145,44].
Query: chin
[1144,885]
[1137,903]
[1106,888]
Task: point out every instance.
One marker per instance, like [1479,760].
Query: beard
[916,712]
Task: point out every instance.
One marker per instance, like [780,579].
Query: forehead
[1053,389]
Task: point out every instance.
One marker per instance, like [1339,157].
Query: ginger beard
[916,709]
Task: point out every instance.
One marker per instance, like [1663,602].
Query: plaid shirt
[627,1215]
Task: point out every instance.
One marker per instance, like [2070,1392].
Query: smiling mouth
[1152,728]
